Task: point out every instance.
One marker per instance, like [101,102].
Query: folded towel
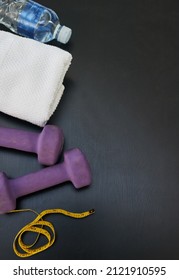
[31,77]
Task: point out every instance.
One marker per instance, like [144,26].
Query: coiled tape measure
[41,227]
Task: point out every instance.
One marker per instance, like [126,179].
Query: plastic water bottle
[32,20]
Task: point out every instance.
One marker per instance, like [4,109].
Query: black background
[121,108]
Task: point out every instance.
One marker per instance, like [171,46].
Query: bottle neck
[57,31]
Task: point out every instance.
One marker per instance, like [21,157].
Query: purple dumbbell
[47,144]
[75,168]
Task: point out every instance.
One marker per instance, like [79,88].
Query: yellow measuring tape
[37,226]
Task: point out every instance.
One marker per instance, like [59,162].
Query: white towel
[31,77]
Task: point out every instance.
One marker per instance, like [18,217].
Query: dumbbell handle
[39,180]
[18,139]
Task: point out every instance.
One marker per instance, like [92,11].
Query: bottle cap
[64,34]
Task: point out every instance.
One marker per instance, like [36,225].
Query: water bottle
[32,20]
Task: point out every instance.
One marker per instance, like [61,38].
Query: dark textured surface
[121,107]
